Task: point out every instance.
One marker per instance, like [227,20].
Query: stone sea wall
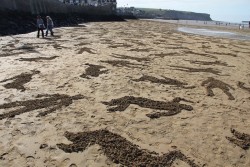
[19,16]
[54,6]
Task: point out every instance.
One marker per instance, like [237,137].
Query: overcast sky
[223,10]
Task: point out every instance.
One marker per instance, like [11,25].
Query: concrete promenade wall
[52,6]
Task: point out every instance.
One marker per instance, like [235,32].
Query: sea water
[207,32]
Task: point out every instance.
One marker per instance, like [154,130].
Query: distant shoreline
[205,23]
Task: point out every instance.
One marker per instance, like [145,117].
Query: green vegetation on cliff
[151,13]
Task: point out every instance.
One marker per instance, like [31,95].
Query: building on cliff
[90,2]
[90,7]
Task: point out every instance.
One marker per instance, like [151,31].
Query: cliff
[163,14]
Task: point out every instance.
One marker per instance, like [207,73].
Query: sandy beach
[124,94]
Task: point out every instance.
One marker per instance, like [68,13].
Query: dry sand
[77,74]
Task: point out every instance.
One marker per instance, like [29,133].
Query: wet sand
[124,93]
[213,33]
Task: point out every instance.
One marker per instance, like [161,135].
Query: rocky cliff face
[163,14]
[179,15]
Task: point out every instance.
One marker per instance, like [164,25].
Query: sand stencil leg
[241,85]
[160,114]
[184,158]
[170,157]
[120,107]
[178,99]
[138,80]
[230,96]
[239,135]
[69,148]
[113,102]
[243,140]
[210,91]
[239,143]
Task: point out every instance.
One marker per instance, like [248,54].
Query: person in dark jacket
[50,26]
[40,26]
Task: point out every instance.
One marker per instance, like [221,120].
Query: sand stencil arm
[60,105]
[142,78]
[9,79]
[230,86]
[69,148]
[41,114]
[137,80]
[37,58]
[80,142]
[108,103]
[119,101]
[52,96]
[205,82]
[12,114]
[10,105]
[178,99]
[84,76]
[44,95]
[160,114]
[188,87]
[117,56]
[169,80]
[186,69]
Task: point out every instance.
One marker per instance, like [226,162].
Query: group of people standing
[41,26]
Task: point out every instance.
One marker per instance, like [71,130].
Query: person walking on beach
[40,26]
[50,26]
